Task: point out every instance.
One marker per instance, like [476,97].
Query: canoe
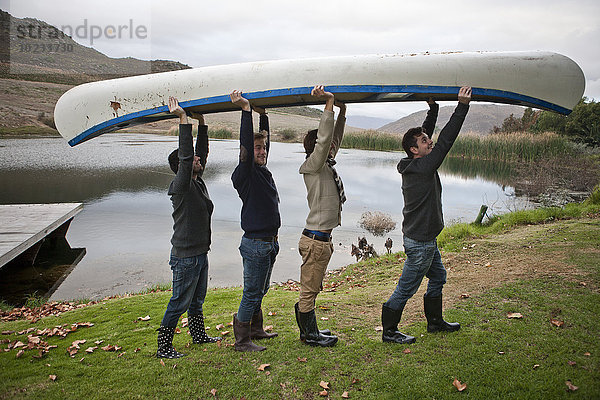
[543,80]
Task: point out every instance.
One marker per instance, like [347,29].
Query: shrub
[377,222]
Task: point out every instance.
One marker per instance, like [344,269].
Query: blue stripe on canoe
[380,89]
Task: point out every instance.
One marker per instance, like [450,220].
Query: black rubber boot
[433,313]
[165,343]
[196,325]
[256,327]
[312,336]
[390,319]
[324,332]
[241,331]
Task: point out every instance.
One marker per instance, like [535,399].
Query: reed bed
[512,146]
[372,140]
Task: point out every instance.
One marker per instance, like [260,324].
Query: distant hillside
[31,84]
[77,65]
[480,119]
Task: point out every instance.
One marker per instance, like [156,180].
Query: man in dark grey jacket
[423,221]
[192,210]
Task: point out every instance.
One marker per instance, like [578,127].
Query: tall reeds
[372,140]
[511,147]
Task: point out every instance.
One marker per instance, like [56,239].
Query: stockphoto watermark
[38,47]
[86,32]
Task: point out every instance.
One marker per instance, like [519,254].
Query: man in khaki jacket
[325,195]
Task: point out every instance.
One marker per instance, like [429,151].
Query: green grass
[28,130]
[495,356]
[454,236]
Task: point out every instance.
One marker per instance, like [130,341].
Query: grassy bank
[548,272]
[372,140]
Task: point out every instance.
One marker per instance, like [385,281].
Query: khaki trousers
[315,258]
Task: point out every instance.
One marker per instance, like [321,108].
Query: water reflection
[126,222]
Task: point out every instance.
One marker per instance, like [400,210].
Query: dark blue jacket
[255,185]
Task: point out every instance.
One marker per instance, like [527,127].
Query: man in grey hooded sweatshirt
[423,221]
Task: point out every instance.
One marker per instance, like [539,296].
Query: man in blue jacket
[423,221]
[260,222]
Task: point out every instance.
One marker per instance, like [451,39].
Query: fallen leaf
[52,377]
[488,265]
[146,318]
[137,349]
[465,295]
[302,359]
[345,395]
[536,366]
[224,333]
[324,319]
[99,341]
[82,358]
[515,315]
[268,373]
[571,363]
[20,353]
[323,393]
[91,349]
[271,313]
[324,385]
[406,351]
[571,387]
[458,385]
[378,328]
[501,353]
[220,326]
[587,354]
[268,328]
[162,362]
[213,392]
[263,366]
[557,323]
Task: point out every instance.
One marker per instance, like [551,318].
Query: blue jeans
[258,259]
[190,279]
[422,259]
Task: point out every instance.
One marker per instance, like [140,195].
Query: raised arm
[338,132]
[431,119]
[450,132]
[246,159]
[201,139]
[182,180]
[316,160]
[263,125]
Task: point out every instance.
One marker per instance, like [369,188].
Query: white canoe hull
[542,80]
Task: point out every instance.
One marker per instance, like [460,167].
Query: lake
[126,224]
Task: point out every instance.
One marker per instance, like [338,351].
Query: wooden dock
[23,227]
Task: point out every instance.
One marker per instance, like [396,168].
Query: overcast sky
[203,33]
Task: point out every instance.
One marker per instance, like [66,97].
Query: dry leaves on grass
[146,318]
[324,385]
[262,367]
[345,395]
[213,392]
[514,315]
[52,377]
[557,323]
[571,387]
[459,385]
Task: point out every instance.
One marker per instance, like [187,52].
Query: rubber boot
[433,313]
[324,332]
[241,331]
[196,325]
[165,343]
[308,324]
[256,327]
[390,319]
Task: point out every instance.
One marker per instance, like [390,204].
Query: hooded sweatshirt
[421,186]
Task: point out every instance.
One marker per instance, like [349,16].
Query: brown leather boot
[256,327]
[241,331]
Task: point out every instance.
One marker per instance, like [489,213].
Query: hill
[31,83]
[480,119]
